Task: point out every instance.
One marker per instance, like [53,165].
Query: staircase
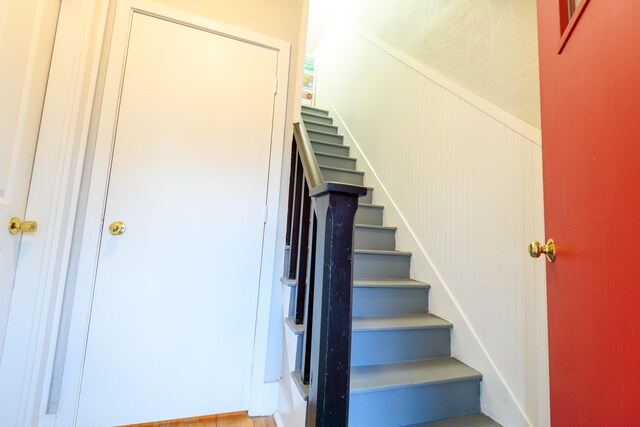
[402,372]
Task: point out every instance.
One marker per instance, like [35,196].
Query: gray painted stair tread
[381,252]
[311,113]
[337,156]
[375,283]
[384,283]
[291,323]
[320,124]
[315,141]
[376,227]
[302,387]
[321,147]
[317,110]
[473,420]
[342,176]
[407,374]
[320,132]
[336,160]
[342,170]
[411,321]
[368,213]
[377,323]
[310,120]
[287,281]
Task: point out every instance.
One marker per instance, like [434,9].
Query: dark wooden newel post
[336,205]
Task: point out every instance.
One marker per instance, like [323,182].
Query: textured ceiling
[487,46]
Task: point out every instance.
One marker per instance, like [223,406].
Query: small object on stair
[473,420]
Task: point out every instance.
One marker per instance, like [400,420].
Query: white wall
[489,47]
[282,19]
[285,20]
[462,180]
[291,406]
[56,188]
[27,31]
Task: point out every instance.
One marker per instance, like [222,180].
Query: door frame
[99,180]
[53,195]
[66,136]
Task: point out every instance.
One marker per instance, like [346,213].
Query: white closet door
[174,310]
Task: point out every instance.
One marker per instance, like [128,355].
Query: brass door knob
[117,228]
[16,225]
[536,249]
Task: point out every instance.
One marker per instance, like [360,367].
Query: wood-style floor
[223,420]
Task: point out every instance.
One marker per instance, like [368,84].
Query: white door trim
[52,201]
[97,193]
[26,368]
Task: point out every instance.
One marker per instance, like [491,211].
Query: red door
[590,94]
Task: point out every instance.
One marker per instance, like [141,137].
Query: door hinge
[266,213]
[275,86]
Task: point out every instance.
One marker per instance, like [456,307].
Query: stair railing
[320,227]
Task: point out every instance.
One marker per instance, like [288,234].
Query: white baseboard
[278,419]
[268,400]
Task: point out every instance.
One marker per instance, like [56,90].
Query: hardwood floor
[222,420]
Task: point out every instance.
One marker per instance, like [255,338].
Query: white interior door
[174,307]
[27,30]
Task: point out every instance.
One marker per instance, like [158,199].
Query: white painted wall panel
[489,47]
[27,30]
[465,191]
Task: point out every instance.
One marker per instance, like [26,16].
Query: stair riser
[369,215]
[381,266]
[371,238]
[342,176]
[338,150]
[393,346]
[367,198]
[321,127]
[315,111]
[336,162]
[324,137]
[410,405]
[469,420]
[389,301]
[299,342]
[319,119]
[287,255]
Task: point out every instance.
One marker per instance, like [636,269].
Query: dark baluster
[328,403]
[308,308]
[303,254]
[292,180]
[295,221]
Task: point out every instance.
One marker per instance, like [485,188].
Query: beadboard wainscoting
[462,180]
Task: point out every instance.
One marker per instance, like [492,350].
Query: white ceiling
[487,46]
